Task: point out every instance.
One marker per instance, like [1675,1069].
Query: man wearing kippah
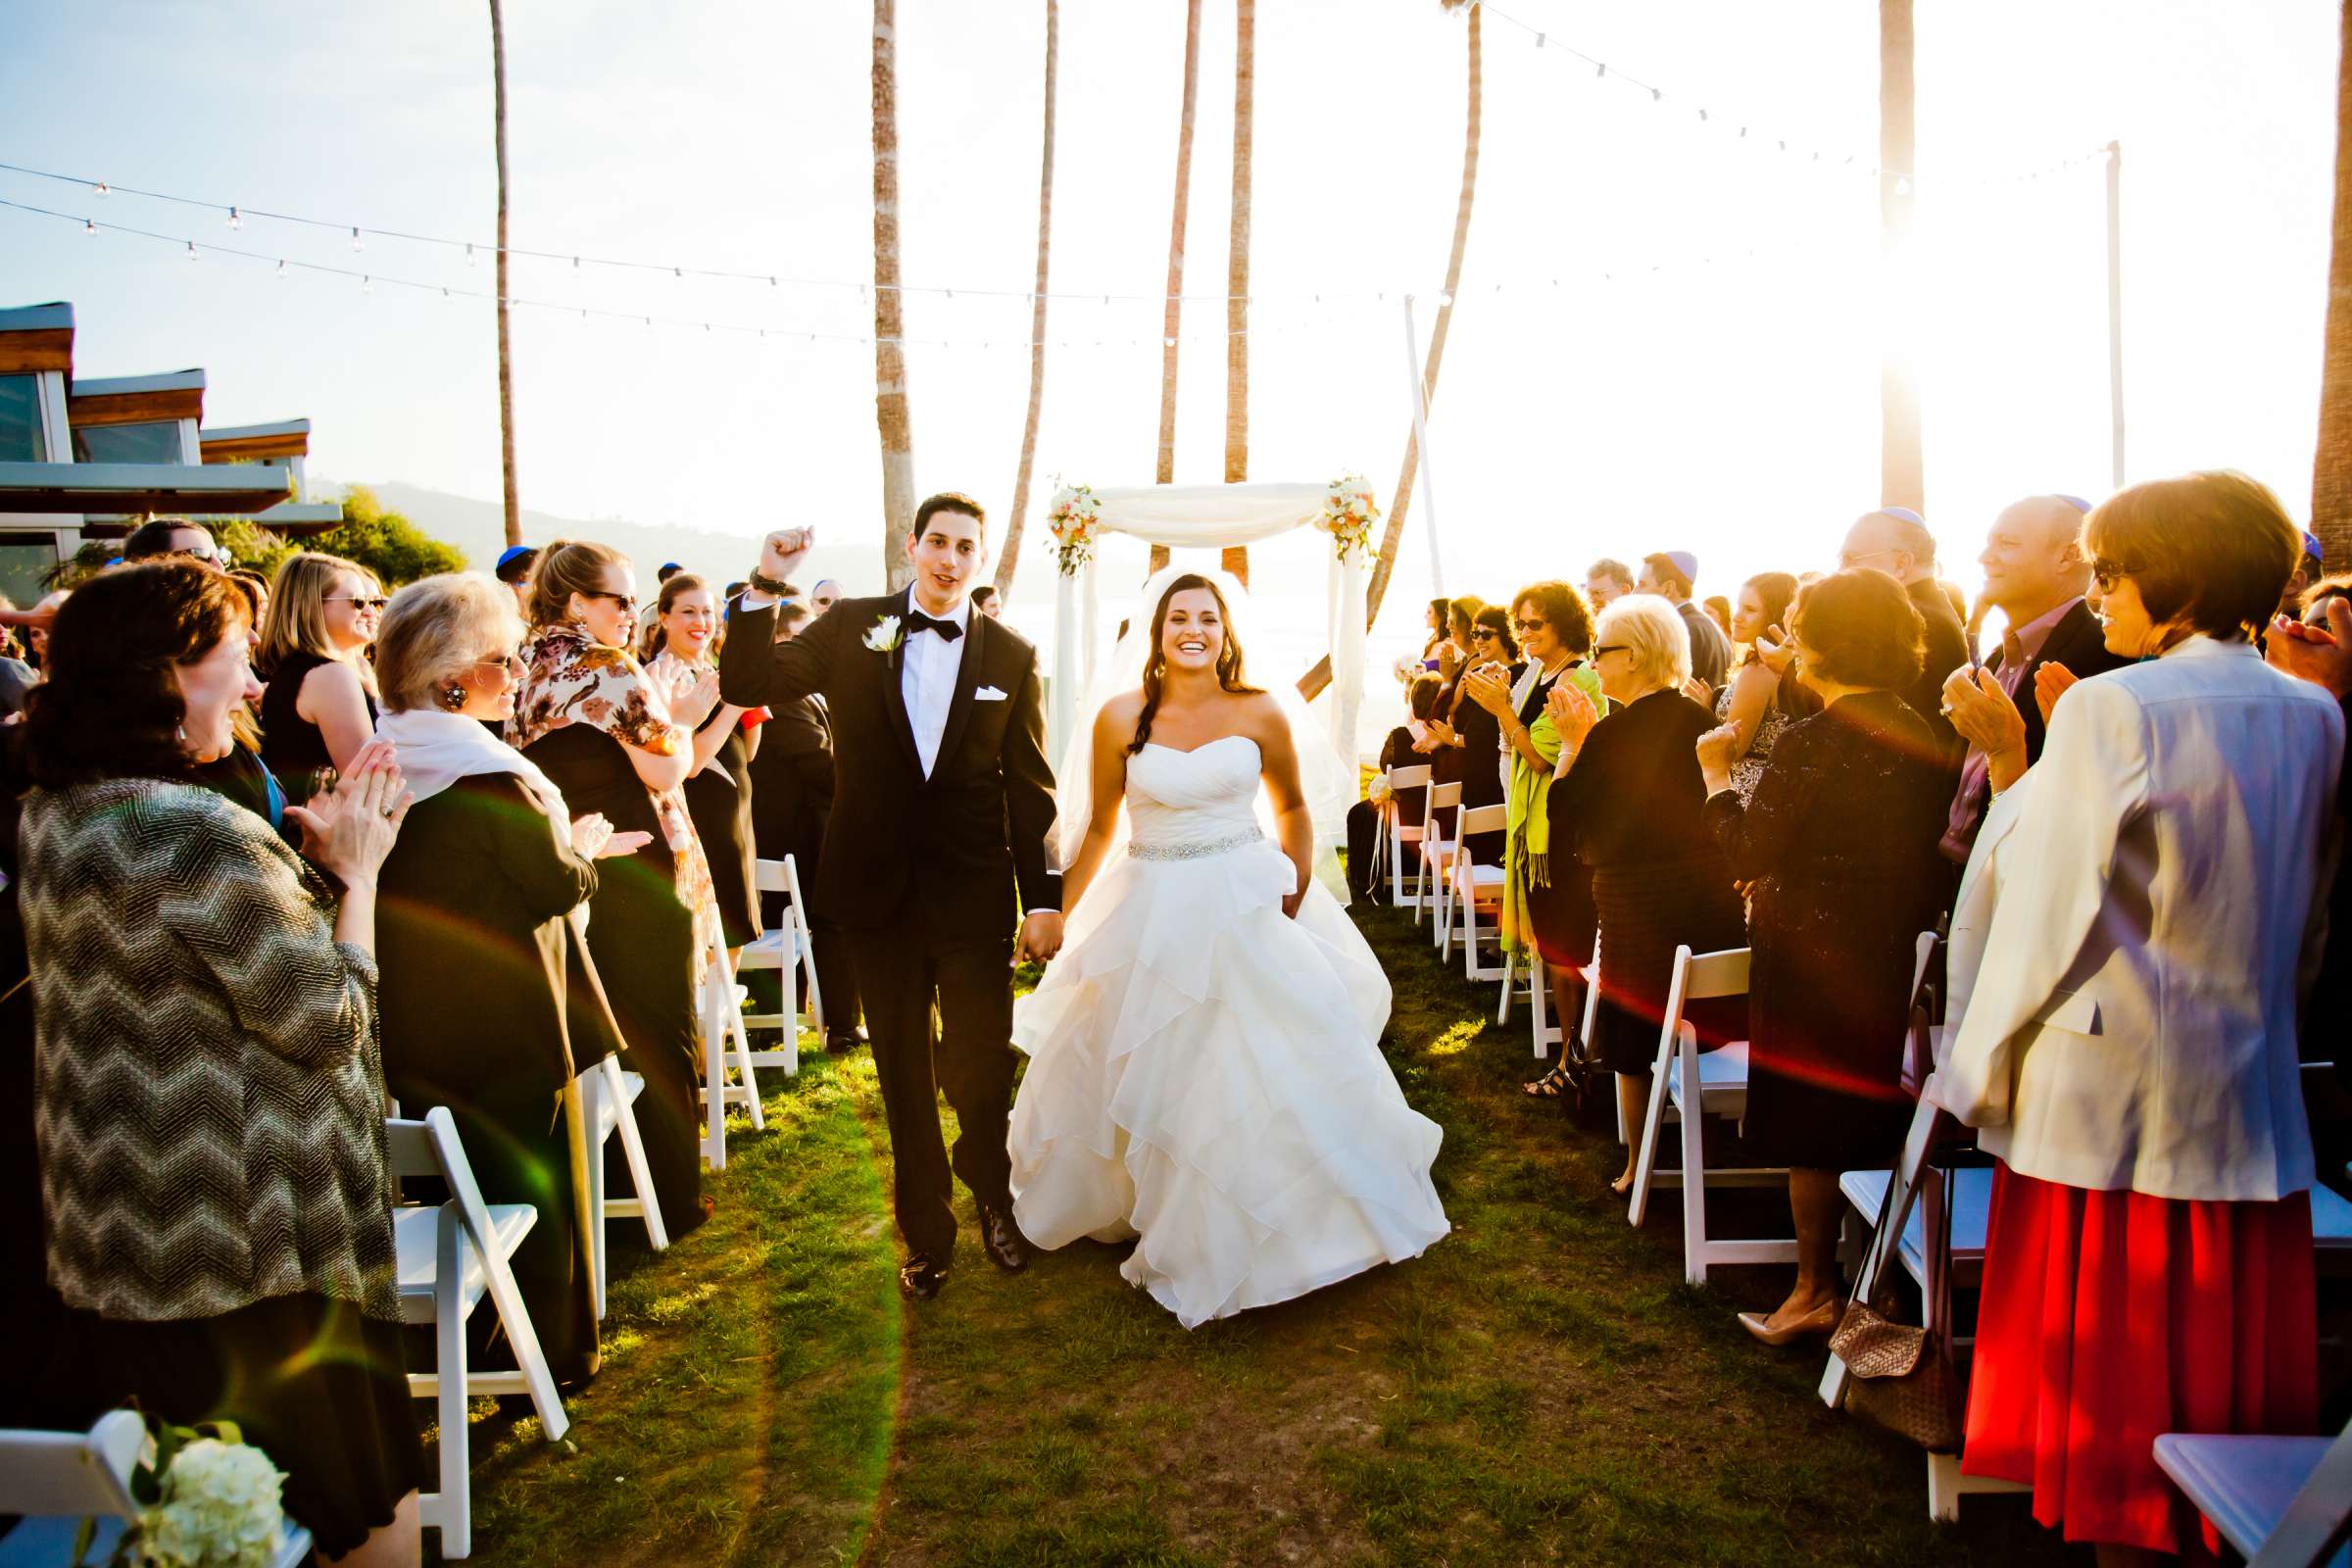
[1671,574]
[513,569]
[1895,540]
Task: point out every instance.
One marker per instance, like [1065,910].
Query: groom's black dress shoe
[921,1276]
[1001,1240]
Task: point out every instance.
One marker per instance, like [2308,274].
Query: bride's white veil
[1327,779]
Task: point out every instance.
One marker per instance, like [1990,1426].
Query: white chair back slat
[73,1474]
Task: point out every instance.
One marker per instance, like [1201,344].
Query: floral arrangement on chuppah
[1073,518]
[1349,513]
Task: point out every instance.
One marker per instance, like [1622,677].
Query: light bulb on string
[470,253]
[100,189]
[236,220]
[355,240]
[280,274]
[89,228]
[366,285]
[192,250]
[1902,185]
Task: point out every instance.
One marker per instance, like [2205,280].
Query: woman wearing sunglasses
[619,742]
[320,707]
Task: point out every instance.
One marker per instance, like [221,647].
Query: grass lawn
[1540,1386]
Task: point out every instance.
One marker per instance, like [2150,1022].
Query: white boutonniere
[883,636]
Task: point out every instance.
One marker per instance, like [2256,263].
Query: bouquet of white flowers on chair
[207,1500]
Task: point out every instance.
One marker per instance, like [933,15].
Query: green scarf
[1527,814]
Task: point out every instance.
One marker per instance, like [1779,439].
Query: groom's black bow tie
[948,630]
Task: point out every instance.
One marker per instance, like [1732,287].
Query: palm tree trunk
[891,412]
[1902,478]
[1172,321]
[1385,563]
[506,353]
[1237,265]
[1012,558]
[2331,466]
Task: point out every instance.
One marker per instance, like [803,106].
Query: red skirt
[2110,1317]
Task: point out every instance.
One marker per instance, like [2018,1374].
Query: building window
[21,437]
[25,558]
[155,442]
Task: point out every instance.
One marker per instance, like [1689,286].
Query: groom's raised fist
[782,552]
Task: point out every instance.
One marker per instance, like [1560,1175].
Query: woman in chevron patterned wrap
[207,1099]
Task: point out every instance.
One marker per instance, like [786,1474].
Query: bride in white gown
[1204,1071]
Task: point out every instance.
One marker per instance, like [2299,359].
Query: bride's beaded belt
[1194,851]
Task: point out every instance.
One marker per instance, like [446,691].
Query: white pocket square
[988,694]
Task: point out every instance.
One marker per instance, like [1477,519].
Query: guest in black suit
[488,1000]
[1671,574]
[2036,576]
[945,812]
[1625,795]
[1840,842]
[1895,540]
[792,802]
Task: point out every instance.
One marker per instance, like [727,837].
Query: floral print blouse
[573,678]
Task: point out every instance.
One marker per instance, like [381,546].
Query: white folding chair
[726,1044]
[791,950]
[1474,895]
[56,1480]
[1397,836]
[1689,1086]
[2280,1502]
[608,1100]
[1432,856]
[451,1255]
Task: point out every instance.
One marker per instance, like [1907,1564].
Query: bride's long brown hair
[1229,655]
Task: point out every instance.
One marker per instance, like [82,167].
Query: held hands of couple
[351,828]
[1040,939]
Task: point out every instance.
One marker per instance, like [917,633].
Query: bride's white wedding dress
[1205,1073]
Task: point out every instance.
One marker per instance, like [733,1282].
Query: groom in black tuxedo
[942,809]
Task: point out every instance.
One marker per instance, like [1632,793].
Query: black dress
[792,803]
[641,937]
[1479,760]
[719,800]
[490,1006]
[1560,915]
[1840,839]
[1630,808]
[291,745]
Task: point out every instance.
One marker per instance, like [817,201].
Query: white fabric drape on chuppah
[1210,517]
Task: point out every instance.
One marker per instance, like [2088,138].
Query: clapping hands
[1490,687]
[2050,682]
[592,837]
[1718,749]
[1573,717]
[693,695]
[2321,655]
[350,829]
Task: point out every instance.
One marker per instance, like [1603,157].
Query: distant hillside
[478,528]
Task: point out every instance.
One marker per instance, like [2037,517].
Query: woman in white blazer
[2128,1048]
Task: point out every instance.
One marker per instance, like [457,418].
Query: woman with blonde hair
[489,1002]
[619,741]
[1626,796]
[320,707]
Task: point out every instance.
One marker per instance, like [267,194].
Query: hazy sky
[1725,401]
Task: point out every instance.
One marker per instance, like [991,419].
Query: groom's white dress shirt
[927,679]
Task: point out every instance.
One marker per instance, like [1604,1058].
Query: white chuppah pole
[1348,652]
[1060,710]
[1429,478]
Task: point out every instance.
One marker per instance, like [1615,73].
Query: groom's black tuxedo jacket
[979,826]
